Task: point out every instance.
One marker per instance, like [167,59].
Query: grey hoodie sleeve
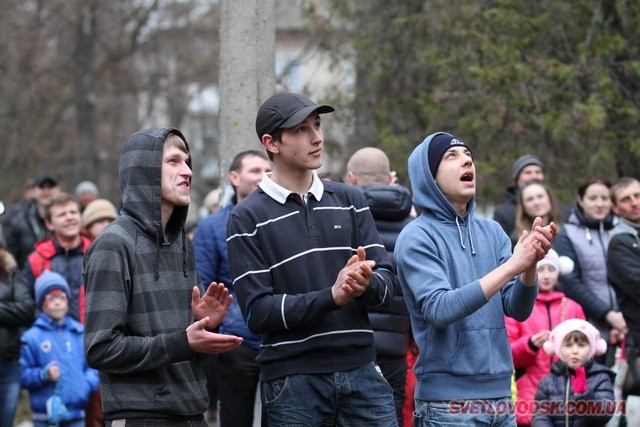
[116,337]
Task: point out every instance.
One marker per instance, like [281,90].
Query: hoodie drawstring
[460,234]
[185,272]
[158,252]
[473,249]
[184,254]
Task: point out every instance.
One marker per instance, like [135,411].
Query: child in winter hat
[576,377]
[527,338]
[47,282]
[563,264]
[52,363]
[570,331]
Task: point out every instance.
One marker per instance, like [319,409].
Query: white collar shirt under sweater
[284,257]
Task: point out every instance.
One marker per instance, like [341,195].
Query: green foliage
[560,79]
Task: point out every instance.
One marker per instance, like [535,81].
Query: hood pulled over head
[141,183]
[426,193]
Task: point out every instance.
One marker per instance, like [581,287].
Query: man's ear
[390,178]
[48,224]
[352,179]
[270,144]
[614,209]
[234,179]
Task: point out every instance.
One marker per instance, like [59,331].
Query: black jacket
[556,387]
[23,230]
[623,272]
[391,209]
[17,311]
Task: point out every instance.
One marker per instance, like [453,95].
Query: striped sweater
[138,298]
[285,256]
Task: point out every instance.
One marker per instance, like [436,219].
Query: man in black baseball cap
[25,228]
[303,278]
[45,178]
[286,110]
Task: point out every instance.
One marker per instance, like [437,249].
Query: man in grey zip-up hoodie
[147,322]
[459,281]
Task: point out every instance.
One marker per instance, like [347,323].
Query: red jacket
[49,255]
[550,309]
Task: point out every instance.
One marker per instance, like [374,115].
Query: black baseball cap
[45,177]
[286,110]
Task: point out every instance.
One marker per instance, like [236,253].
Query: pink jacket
[550,309]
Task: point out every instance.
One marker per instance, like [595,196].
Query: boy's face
[65,220]
[575,353]
[56,304]
[456,176]
[176,187]
[302,145]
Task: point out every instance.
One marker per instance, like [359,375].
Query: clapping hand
[212,305]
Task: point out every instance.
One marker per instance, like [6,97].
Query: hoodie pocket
[481,352]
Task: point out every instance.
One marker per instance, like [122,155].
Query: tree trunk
[247,73]
[86,166]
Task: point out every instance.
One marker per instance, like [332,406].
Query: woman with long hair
[585,239]
[535,199]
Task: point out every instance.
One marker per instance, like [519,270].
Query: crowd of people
[329,300]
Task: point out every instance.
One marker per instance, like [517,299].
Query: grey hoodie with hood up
[138,303]
[441,257]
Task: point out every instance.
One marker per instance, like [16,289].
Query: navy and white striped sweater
[284,259]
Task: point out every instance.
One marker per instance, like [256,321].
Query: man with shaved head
[390,205]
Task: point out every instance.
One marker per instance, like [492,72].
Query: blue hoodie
[441,257]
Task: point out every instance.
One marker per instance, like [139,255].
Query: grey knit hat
[523,162]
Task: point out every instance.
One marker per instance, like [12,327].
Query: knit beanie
[563,264]
[438,146]
[523,162]
[97,210]
[47,282]
[556,337]
[87,187]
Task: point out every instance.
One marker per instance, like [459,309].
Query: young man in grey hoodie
[147,322]
[459,280]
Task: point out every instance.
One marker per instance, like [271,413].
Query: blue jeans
[9,391]
[488,412]
[359,397]
[74,423]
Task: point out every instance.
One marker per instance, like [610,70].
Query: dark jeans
[490,412]
[210,369]
[238,377]
[359,397]
[9,391]
[157,422]
[394,370]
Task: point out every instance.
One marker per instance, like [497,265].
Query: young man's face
[456,176]
[44,193]
[65,222]
[176,187]
[302,145]
[628,202]
[249,176]
[530,173]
